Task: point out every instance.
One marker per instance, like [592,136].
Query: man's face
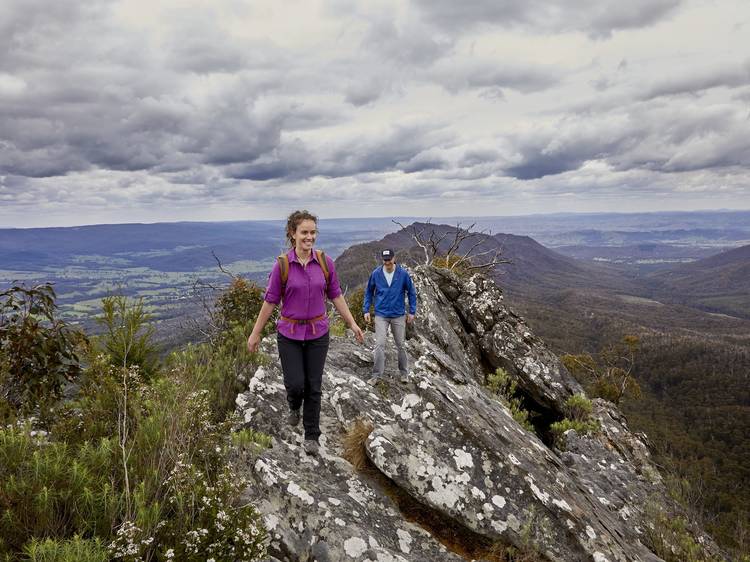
[388,264]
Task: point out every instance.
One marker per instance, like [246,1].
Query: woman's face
[304,236]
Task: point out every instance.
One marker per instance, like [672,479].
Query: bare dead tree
[471,259]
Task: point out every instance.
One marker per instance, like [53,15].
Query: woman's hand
[357,332]
[253,342]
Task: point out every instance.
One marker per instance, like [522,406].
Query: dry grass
[354,444]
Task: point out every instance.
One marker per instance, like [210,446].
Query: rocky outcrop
[447,445]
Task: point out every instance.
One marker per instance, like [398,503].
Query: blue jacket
[389,301]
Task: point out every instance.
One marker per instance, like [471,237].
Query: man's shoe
[404,378]
[374,380]
[311,447]
[293,417]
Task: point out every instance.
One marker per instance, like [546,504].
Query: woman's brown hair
[293,221]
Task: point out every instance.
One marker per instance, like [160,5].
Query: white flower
[170,554]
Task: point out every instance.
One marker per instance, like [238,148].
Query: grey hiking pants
[398,329]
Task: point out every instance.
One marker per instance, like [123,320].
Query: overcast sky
[151,110]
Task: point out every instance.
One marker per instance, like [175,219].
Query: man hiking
[387,286]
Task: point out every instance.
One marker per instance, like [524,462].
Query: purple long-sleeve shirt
[305,296]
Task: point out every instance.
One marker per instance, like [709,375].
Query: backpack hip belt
[311,321]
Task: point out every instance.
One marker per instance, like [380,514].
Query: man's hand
[409,318]
[367,317]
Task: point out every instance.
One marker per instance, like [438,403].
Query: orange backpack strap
[321,255]
[284,270]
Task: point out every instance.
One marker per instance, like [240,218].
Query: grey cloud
[405,148]
[655,137]
[411,43]
[597,18]
[475,157]
[694,83]
[457,75]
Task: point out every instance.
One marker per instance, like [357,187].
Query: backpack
[320,255]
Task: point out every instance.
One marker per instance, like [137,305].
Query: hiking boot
[293,417]
[404,378]
[311,447]
[374,380]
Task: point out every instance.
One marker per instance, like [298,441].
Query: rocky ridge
[451,448]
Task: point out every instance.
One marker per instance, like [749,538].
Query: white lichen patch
[339,522]
[404,411]
[355,547]
[404,541]
[477,493]
[513,459]
[540,494]
[294,489]
[599,557]
[266,473]
[462,459]
[499,501]
[590,532]
[271,521]
[604,501]
[562,504]
[334,501]
[444,494]
[357,491]
[499,526]
[248,417]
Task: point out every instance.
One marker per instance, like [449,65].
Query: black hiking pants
[302,362]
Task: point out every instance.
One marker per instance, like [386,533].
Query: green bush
[222,368]
[51,489]
[128,337]
[141,463]
[356,300]
[39,353]
[611,376]
[670,538]
[238,304]
[76,549]
[559,428]
[503,385]
[457,264]
[578,408]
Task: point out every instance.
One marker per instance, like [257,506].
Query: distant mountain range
[720,283]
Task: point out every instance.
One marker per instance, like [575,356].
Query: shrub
[39,353]
[610,377]
[51,489]
[356,300]
[503,385]
[559,428]
[670,538]
[222,368]
[578,408]
[76,549]
[238,304]
[141,463]
[459,265]
[128,337]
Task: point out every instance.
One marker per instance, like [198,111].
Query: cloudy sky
[151,110]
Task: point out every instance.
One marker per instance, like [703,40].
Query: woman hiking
[301,280]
